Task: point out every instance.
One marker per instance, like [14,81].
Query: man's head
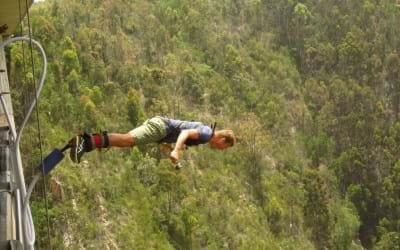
[222,139]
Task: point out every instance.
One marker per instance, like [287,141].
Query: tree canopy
[311,88]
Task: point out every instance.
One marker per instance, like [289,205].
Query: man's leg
[150,131]
[153,130]
[85,142]
[121,140]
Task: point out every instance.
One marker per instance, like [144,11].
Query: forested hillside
[311,89]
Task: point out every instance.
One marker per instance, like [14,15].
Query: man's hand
[165,149]
[174,156]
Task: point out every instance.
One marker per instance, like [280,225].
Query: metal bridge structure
[16,225]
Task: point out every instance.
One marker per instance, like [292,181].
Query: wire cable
[38,124]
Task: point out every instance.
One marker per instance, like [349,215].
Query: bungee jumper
[155,130]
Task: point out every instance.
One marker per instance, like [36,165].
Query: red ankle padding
[98,140]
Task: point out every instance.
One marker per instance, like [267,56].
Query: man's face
[220,144]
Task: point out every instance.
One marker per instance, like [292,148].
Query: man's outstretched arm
[180,143]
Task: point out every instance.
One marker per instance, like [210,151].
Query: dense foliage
[311,88]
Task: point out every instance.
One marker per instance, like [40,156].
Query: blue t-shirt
[175,127]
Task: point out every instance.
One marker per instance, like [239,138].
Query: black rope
[25,94]
[213,126]
[38,125]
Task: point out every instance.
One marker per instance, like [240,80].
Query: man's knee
[130,138]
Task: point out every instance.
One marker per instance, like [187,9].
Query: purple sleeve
[205,134]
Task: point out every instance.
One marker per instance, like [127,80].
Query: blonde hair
[228,135]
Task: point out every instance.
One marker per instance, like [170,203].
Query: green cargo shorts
[151,131]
